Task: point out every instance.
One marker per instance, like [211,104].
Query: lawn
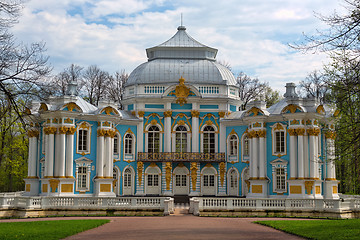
[48,230]
[318,229]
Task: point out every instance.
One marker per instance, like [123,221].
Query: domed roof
[181,55]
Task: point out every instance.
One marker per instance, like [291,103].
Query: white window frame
[279,164]
[132,179]
[147,136]
[274,143]
[117,154]
[245,157]
[83,162]
[216,133]
[232,157]
[188,137]
[129,156]
[88,138]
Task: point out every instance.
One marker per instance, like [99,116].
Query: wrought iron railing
[181,157]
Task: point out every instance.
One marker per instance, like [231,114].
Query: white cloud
[250,35]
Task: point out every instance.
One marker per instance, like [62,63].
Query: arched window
[128,144]
[153,139]
[233,145]
[127,178]
[209,140]
[279,139]
[116,144]
[181,139]
[83,138]
[246,144]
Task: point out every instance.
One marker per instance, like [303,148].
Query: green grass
[48,230]
[318,229]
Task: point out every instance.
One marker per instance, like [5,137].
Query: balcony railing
[181,157]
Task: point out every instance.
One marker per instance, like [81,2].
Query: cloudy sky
[251,35]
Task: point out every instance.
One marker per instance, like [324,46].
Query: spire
[181,27]
[72,89]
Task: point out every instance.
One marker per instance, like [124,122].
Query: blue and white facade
[181,134]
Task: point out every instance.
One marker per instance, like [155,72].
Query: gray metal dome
[183,56]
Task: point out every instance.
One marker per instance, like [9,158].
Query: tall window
[116,144]
[180,180]
[279,141]
[209,180]
[209,139]
[280,178]
[246,146]
[127,178]
[82,178]
[153,180]
[233,141]
[181,139]
[153,139]
[128,144]
[82,143]
[233,179]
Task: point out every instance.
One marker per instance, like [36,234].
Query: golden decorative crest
[222,114]
[278,127]
[108,110]
[54,184]
[193,169]
[68,120]
[141,113]
[181,92]
[195,113]
[71,106]
[320,109]
[255,111]
[209,122]
[153,122]
[291,107]
[43,107]
[308,186]
[222,173]
[181,122]
[257,124]
[167,113]
[168,168]
[140,167]
[300,131]
[295,122]
[292,131]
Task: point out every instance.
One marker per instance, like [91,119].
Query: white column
[262,159]
[316,140]
[140,135]
[100,155]
[49,156]
[111,156]
[61,156]
[56,155]
[254,160]
[222,138]
[70,153]
[167,131]
[301,156]
[292,156]
[251,172]
[306,156]
[195,130]
[312,156]
[32,154]
[107,156]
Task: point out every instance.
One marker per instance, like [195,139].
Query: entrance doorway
[208,181]
[181,181]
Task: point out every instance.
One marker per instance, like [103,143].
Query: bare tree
[96,84]
[249,88]
[23,68]
[315,85]
[116,87]
[71,74]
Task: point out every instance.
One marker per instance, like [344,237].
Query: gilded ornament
[33,133]
[168,168]
[27,111]
[278,127]
[222,114]
[181,122]
[54,120]
[153,122]
[167,113]
[129,131]
[320,109]
[295,122]
[255,111]
[101,132]
[54,183]
[308,122]
[62,130]
[193,169]
[291,107]
[133,113]
[330,134]
[140,168]
[300,131]
[222,173]
[68,120]
[71,130]
[195,113]
[261,133]
[84,125]
[292,131]
[257,124]
[43,107]
[209,122]
[141,113]
[106,124]
[108,110]
[308,186]
[313,131]
[50,130]
[181,92]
